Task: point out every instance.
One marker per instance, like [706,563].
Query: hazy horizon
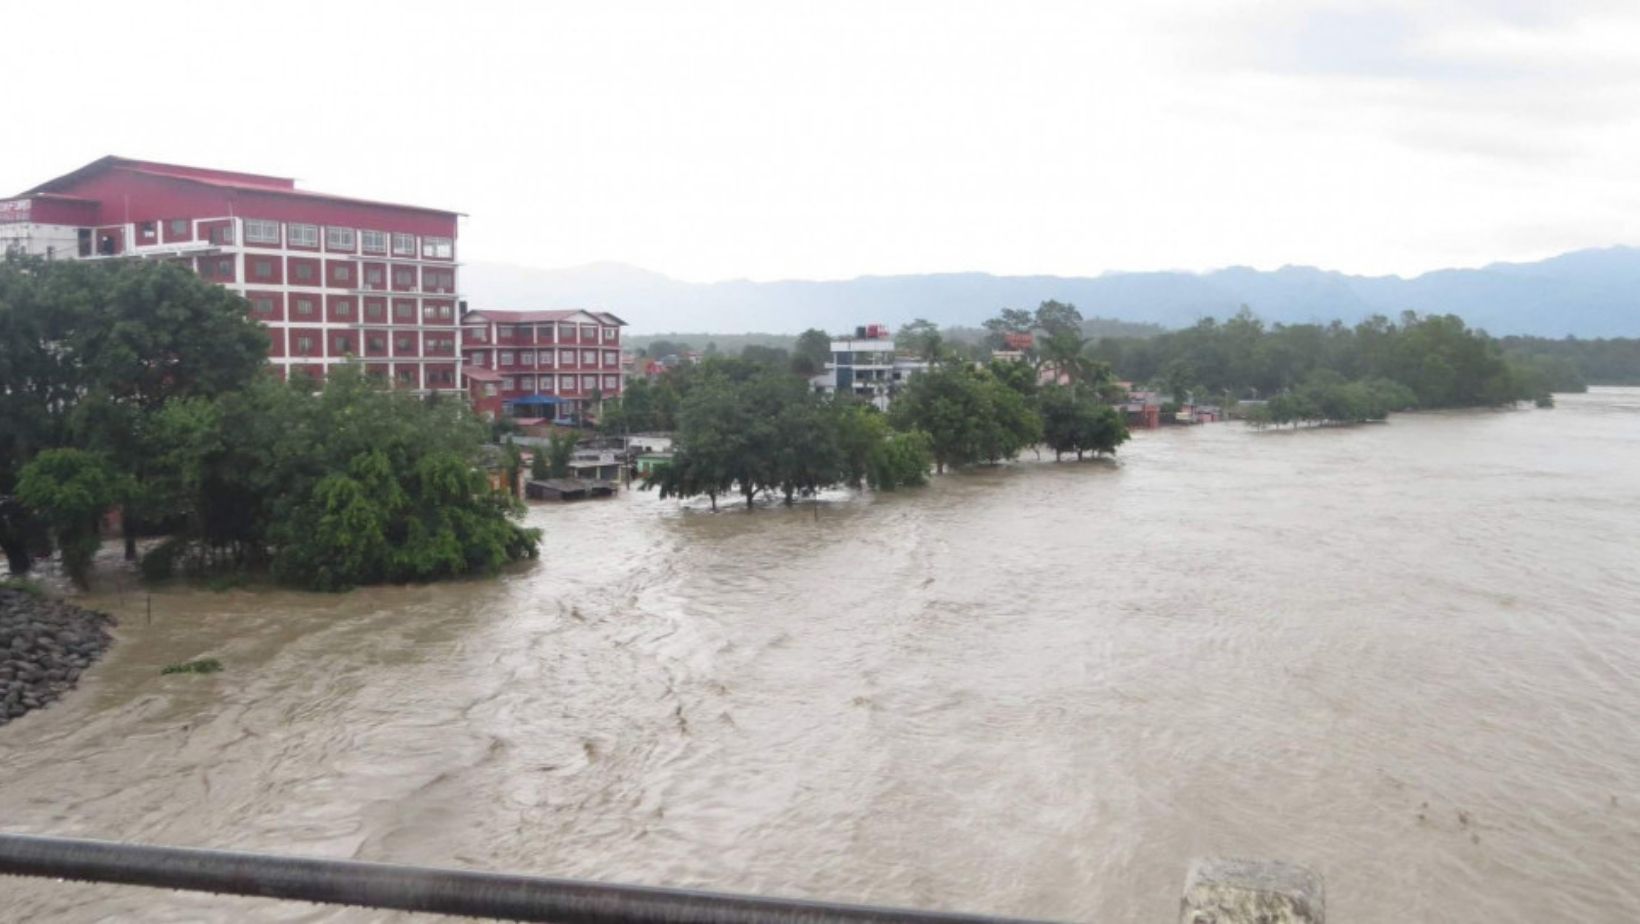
[721,141]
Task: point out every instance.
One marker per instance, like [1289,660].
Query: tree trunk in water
[17,557]
[129,530]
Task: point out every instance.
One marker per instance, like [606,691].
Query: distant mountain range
[1585,293]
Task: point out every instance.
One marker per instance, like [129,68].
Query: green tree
[922,338]
[968,415]
[71,490]
[812,352]
[560,452]
[1057,318]
[90,352]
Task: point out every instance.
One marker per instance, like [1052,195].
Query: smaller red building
[557,364]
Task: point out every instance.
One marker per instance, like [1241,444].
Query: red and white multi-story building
[334,279]
[551,364]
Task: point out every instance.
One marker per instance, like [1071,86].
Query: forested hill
[1586,293]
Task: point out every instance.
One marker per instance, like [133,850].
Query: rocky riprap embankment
[44,645]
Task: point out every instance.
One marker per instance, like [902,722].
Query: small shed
[567,489]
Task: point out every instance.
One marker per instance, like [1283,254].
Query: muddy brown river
[1406,655]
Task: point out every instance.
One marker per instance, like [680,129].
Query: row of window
[374,310]
[297,234]
[342,343]
[543,332]
[612,359]
[548,384]
[404,375]
[341,274]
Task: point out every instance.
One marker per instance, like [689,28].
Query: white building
[867,366]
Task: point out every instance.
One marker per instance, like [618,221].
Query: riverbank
[44,646]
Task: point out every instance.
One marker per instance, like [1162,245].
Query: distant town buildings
[867,366]
[332,278]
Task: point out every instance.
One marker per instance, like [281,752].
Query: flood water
[1036,690]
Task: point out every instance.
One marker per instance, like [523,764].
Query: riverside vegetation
[141,386]
[754,426]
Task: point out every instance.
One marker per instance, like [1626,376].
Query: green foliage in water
[201,666]
[1072,423]
[23,586]
[71,489]
[969,415]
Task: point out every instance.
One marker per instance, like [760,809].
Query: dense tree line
[753,428]
[141,386]
[1571,364]
[1443,362]
[748,429]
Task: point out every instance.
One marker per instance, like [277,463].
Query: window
[567,357]
[148,230]
[373,309]
[402,342]
[304,345]
[178,226]
[445,312]
[526,358]
[589,333]
[504,332]
[566,333]
[428,311]
[376,343]
[222,234]
[589,358]
[404,311]
[373,241]
[546,384]
[342,272]
[589,382]
[611,359]
[344,308]
[302,235]
[476,334]
[506,357]
[404,245]
[610,383]
[404,277]
[339,238]
[407,376]
[258,231]
[341,345]
[508,383]
[567,383]
[372,277]
[224,268]
[437,248]
[304,306]
[262,269]
[262,305]
[301,272]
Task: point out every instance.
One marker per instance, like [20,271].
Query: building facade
[867,366]
[333,279]
[553,364]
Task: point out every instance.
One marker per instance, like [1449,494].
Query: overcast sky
[827,140]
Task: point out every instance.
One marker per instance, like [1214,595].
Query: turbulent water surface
[1406,655]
